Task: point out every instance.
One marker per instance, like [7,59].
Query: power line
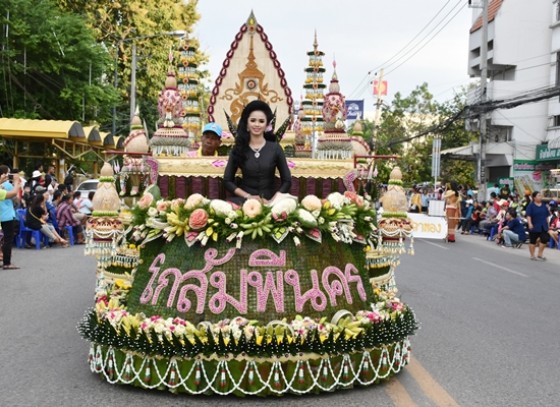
[427,42]
[474,110]
[387,64]
[361,86]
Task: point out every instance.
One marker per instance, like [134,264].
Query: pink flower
[198,219]
[177,203]
[193,201]
[311,203]
[252,208]
[395,305]
[162,206]
[145,201]
[354,198]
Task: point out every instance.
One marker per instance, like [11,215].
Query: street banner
[428,227]
[379,88]
[355,109]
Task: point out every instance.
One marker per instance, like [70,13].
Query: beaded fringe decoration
[104,246]
[171,150]
[250,377]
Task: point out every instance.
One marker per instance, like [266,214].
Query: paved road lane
[488,337]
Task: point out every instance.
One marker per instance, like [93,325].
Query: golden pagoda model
[310,117]
[134,171]
[103,228]
[334,144]
[188,84]
[170,138]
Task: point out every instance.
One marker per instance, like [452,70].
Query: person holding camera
[10,185]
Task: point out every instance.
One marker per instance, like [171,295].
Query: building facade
[523,53]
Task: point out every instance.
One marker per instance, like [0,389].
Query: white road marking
[435,244]
[517,273]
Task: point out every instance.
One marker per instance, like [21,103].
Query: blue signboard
[355,109]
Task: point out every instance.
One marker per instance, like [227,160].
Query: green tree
[408,127]
[119,23]
[408,116]
[52,65]
[455,135]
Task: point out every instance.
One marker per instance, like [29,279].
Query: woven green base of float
[244,376]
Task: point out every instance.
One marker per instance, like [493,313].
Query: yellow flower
[122,284]
[130,322]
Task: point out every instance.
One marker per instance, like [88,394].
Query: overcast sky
[362,35]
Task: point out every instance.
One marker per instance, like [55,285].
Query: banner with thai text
[428,227]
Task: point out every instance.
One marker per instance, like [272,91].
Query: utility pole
[483,98]
[379,102]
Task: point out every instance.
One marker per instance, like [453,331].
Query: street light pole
[133,81]
[116,83]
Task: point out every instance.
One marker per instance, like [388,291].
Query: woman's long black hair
[242,137]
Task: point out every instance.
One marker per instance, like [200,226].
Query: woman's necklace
[257,150]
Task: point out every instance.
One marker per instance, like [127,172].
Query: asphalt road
[489,334]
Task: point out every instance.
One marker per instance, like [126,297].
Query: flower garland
[110,324]
[347,217]
[312,374]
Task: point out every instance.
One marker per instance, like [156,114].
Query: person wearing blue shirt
[537,220]
[8,214]
[514,231]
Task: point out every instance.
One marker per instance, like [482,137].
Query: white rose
[306,218]
[159,327]
[153,212]
[194,201]
[180,330]
[311,203]
[336,199]
[222,208]
[285,205]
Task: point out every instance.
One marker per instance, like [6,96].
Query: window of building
[495,173]
[556,121]
[501,134]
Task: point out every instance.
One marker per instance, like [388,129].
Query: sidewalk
[551,254]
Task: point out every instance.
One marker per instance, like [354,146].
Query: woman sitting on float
[258,155]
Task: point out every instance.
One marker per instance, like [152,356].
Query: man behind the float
[210,142]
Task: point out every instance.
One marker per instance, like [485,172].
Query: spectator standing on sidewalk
[8,190]
[537,221]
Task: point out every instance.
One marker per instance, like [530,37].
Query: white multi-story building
[523,58]
[553,125]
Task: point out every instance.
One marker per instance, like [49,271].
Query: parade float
[197,295]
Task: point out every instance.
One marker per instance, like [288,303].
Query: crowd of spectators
[46,206]
[506,218]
